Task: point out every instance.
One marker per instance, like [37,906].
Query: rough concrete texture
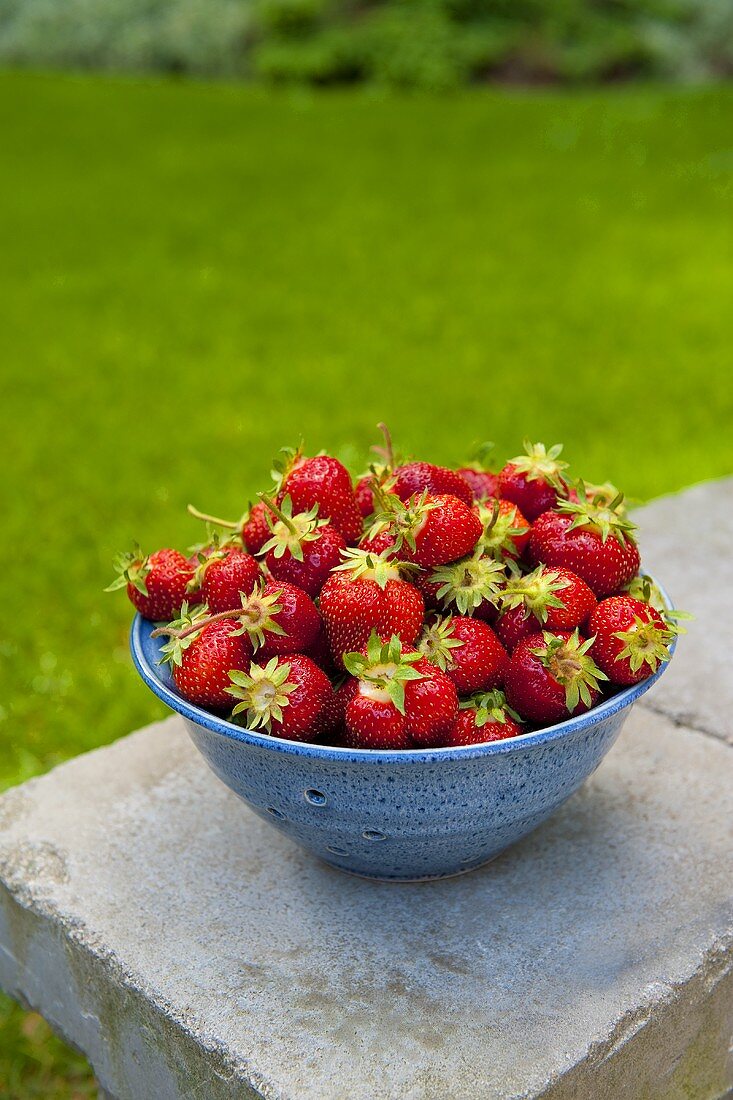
[192,951]
[686,542]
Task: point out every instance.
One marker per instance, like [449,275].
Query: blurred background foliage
[429,44]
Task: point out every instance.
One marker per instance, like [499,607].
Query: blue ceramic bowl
[399,815]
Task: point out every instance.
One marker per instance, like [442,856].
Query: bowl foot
[416,878]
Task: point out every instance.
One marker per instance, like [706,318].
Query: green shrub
[432,44]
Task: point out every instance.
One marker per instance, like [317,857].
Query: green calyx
[384,669]
[469,582]
[403,521]
[284,461]
[480,457]
[569,664]
[646,643]
[604,519]
[539,464]
[499,531]
[131,568]
[182,632]
[262,694]
[490,706]
[606,496]
[368,566]
[257,615]
[289,531]
[536,592]
[643,588]
[437,642]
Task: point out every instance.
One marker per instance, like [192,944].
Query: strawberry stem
[199,624]
[213,519]
[278,513]
[387,450]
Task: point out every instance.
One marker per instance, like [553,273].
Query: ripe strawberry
[202,653]
[484,718]
[255,530]
[430,530]
[223,572]
[469,586]
[550,599]
[551,676]
[156,584]
[505,530]
[289,697]
[594,542]
[364,594]
[467,650]
[415,478]
[378,543]
[321,481]
[483,483]
[297,623]
[302,549]
[277,618]
[364,495]
[631,639]
[400,700]
[533,480]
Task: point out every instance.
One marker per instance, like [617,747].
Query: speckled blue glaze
[412,814]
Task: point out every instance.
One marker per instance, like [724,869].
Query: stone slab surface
[686,541]
[192,951]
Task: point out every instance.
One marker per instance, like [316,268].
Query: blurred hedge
[436,44]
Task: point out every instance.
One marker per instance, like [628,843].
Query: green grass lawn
[194,275]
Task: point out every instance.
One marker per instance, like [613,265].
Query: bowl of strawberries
[407,672]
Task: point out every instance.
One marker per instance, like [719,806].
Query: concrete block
[192,951]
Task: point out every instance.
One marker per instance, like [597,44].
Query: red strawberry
[255,529]
[593,542]
[302,549]
[551,599]
[483,483]
[430,530]
[484,718]
[288,697]
[415,478]
[156,584]
[469,586]
[551,676]
[223,573]
[367,593]
[277,618]
[505,530]
[364,495]
[631,639]
[378,543]
[203,655]
[400,700]
[320,652]
[321,481]
[293,613]
[467,650]
[533,480]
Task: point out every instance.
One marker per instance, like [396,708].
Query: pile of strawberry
[419,607]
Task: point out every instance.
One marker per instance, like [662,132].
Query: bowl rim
[626,697]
